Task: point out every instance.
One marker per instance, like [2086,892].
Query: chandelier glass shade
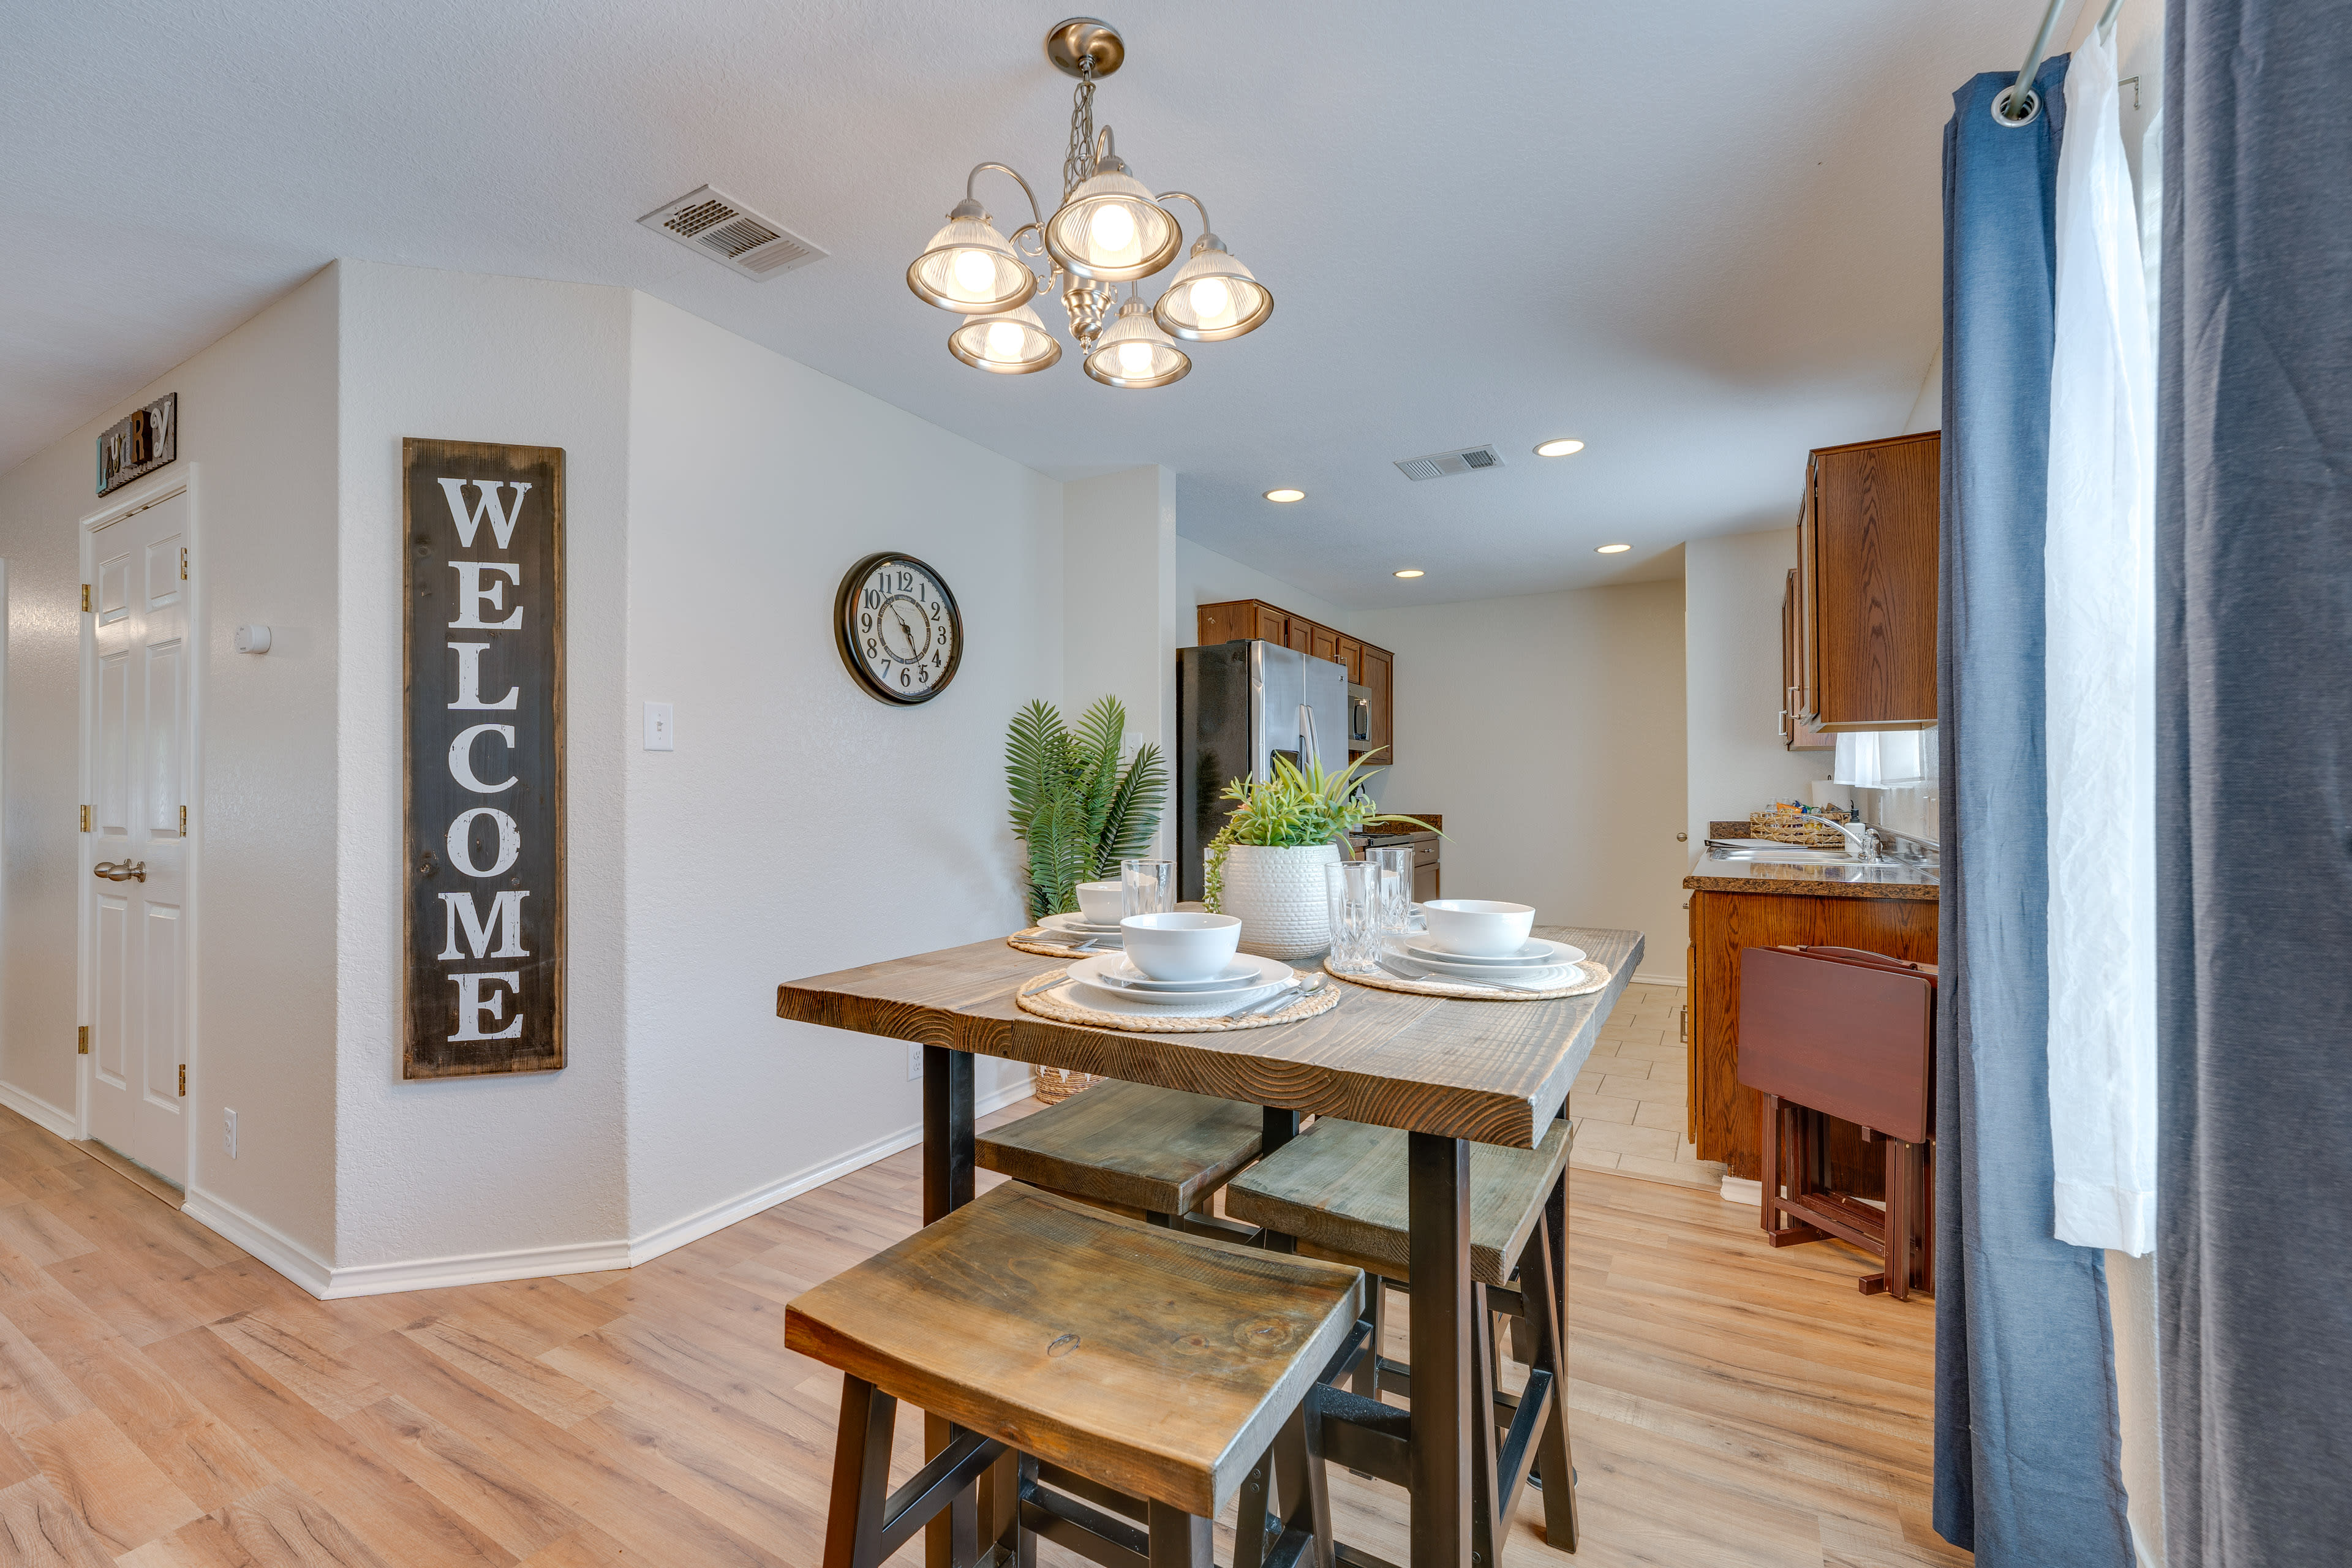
[1013,343]
[970,266]
[1133,352]
[1213,297]
[1109,228]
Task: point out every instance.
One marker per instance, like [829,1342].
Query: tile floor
[1628,1104]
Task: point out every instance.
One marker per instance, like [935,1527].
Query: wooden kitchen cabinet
[1724,1113]
[1863,611]
[1368,667]
[1798,734]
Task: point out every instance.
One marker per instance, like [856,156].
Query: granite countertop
[1837,879]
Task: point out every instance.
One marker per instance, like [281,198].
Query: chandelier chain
[1078,162]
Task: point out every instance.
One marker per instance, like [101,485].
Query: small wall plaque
[139,444]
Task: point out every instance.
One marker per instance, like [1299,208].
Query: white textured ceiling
[1702,237]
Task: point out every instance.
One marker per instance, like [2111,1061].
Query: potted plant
[1265,865]
[1077,811]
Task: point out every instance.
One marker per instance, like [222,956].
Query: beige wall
[1731,631]
[1548,730]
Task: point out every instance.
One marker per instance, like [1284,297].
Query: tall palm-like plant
[1075,808]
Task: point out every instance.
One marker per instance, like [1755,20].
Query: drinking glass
[1147,887]
[1353,888]
[1396,886]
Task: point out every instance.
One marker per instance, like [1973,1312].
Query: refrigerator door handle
[1308,746]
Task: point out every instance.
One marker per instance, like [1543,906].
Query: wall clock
[898,627]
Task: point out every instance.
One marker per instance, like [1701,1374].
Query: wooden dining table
[1449,1071]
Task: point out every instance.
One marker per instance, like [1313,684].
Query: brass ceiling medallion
[1109,228]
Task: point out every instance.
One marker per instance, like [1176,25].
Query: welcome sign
[484,766]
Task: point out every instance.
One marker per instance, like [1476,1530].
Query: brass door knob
[120,870]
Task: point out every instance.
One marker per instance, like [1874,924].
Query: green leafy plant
[1293,808]
[1078,811]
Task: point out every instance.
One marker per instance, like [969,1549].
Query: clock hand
[897,615]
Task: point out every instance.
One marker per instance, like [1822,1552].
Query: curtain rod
[2020,88]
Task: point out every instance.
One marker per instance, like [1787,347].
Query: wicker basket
[1055,1085]
[1795,827]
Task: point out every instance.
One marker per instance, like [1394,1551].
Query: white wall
[1120,610]
[802,826]
[257,418]
[1205,577]
[1549,732]
[1731,631]
[455,1168]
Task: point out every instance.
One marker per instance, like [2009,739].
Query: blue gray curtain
[2028,1462]
[2254,784]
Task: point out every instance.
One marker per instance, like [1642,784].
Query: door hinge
[84,819]
[84,599]
[184,1081]
[184,822]
[82,1044]
[183,564]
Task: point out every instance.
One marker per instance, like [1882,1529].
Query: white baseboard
[1644,977]
[40,1113]
[262,1239]
[719,1216]
[477,1268]
[1741,1190]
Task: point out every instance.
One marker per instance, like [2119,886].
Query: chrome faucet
[1862,839]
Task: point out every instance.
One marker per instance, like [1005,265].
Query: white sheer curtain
[2101,596]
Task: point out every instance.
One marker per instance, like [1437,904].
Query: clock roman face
[898,628]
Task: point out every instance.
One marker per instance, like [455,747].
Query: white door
[135,736]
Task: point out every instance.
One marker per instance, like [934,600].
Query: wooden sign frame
[482,761]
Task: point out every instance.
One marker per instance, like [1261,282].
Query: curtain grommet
[2001,101]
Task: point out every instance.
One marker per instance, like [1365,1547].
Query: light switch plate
[659,737]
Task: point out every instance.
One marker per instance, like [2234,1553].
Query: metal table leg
[1438,1212]
[952,1537]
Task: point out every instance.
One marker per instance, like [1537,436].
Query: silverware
[1047,984]
[1450,980]
[1306,986]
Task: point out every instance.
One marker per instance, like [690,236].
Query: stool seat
[1150,1151]
[1158,1363]
[1340,1189]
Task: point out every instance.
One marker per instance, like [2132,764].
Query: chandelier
[1108,230]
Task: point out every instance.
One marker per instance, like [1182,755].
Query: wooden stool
[1156,1155]
[1131,1368]
[1340,1190]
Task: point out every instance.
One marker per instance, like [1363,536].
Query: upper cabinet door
[1870,541]
[1378,671]
[1273,625]
[1323,642]
[1796,732]
[1299,634]
[1351,654]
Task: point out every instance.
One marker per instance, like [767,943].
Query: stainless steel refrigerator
[1238,706]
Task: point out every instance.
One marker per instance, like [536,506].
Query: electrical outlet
[914,1060]
[228,1130]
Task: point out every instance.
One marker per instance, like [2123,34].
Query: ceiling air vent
[1438,464]
[724,230]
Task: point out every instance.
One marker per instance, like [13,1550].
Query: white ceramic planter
[1277,893]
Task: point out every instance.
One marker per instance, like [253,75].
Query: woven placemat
[1041,941]
[1050,1004]
[1596,976]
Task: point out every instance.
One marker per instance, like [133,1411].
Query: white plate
[1538,953]
[1070,925]
[1266,974]
[1454,969]
[1126,975]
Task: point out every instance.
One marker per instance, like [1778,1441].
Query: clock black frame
[844,642]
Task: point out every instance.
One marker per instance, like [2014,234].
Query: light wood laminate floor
[167,1402]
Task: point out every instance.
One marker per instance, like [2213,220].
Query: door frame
[181,479]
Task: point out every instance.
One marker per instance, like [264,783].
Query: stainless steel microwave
[1359,715]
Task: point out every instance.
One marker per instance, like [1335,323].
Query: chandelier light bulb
[1133,352]
[971,268]
[1112,229]
[1135,359]
[1213,297]
[1015,343]
[975,272]
[1212,300]
[1001,343]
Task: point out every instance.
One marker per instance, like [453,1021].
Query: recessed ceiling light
[1613,549]
[1285,494]
[1409,572]
[1559,449]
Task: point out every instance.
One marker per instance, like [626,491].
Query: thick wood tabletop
[1492,1071]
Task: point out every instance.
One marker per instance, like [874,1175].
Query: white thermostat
[253,639]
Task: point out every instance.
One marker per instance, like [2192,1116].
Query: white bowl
[1478,928]
[1101,902]
[1181,946]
